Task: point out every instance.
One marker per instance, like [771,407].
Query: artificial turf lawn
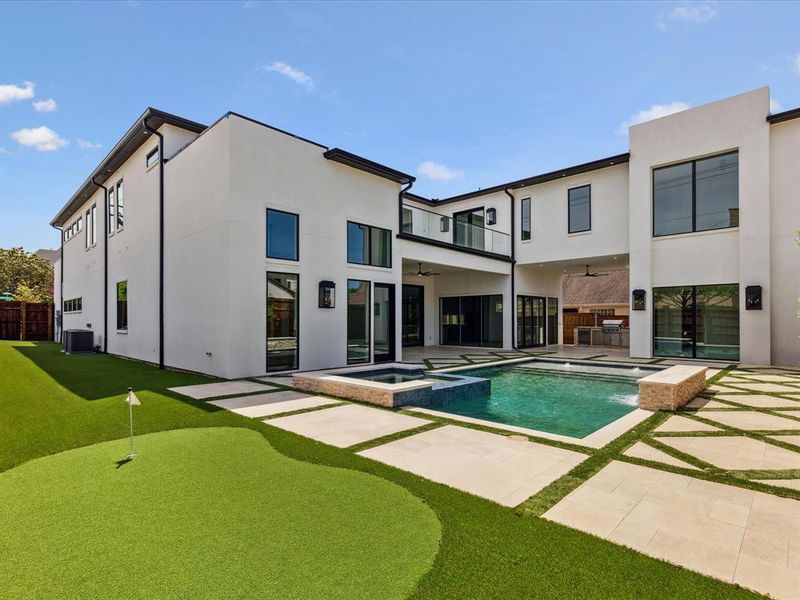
[207,513]
[50,402]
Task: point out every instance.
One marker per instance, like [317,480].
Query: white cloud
[84,145]
[289,71]
[48,105]
[11,92]
[437,172]
[687,12]
[648,114]
[775,106]
[43,139]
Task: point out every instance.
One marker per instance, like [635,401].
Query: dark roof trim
[465,249]
[122,151]
[594,165]
[786,115]
[297,137]
[418,198]
[364,164]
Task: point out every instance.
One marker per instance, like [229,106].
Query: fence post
[22,321]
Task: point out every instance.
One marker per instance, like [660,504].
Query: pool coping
[598,439]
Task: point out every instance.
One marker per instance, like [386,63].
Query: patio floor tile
[787,483]
[735,452]
[678,423]
[643,451]
[344,426]
[224,388]
[733,534]
[791,439]
[768,387]
[757,400]
[701,402]
[264,405]
[757,421]
[485,464]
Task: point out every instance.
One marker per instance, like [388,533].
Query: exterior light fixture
[639,299]
[491,216]
[752,297]
[327,294]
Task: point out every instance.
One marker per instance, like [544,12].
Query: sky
[462,95]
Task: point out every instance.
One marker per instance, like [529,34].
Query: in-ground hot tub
[392,385]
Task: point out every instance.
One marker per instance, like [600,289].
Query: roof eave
[364,164]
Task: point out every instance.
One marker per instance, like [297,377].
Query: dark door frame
[421,315]
[469,212]
[542,300]
[391,325]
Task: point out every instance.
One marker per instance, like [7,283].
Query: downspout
[400,206]
[105,263]
[61,285]
[513,270]
[160,241]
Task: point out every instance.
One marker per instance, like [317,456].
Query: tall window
[152,158]
[282,234]
[698,195]
[552,320]
[525,221]
[112,220]
[696,321]
[367,245]
[282,321]
[93,222]
[358,321]
[579,201]
[469,230]
[122,305]
[120,206]
[88,228]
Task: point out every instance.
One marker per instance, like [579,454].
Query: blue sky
[462,95]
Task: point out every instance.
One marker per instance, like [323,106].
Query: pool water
[571,403]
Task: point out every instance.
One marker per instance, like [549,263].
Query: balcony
[441,230]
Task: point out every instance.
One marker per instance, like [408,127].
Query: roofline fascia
[786,115]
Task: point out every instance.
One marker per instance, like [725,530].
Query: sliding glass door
[383,313]
[471,320]
[696,321]
[469,229]
[358,322]
[552,320]
[530,321]
[413,315]
[282,321]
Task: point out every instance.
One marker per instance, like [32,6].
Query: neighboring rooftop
[611,288]
[50,256]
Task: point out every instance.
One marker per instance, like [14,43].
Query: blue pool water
[558,400]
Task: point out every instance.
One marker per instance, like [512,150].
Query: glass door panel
[470,320]
[450,320]
[282,321]
[717,322]
[383,313]
[358,321]
[413,315]
[552,320]
[492,326]
[673,329]
[532,324]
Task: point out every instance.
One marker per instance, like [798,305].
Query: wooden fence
[26,321]
[572,320]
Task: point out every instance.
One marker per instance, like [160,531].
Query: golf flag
[132,399]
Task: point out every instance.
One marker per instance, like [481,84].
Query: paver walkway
[273,403]
[223,388]
[730,533]
[493,466]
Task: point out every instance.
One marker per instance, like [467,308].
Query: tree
[25,273]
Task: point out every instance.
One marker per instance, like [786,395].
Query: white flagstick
[132,400]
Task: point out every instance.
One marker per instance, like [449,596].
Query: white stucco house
[238,249]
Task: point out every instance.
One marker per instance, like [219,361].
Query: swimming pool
[572,400]
[394,375]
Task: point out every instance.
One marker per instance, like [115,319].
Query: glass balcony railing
[455,232]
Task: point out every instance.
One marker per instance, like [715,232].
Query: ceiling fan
[588,274]
[428,273]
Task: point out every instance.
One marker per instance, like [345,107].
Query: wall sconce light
[752,297]
[444,224]
[639,299]
[491,216]
[327,294]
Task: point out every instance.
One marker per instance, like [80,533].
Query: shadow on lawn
[97,376]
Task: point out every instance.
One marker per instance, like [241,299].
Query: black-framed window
[408,220]
[469,228]
[368,245]
[120,205]
[282,234]
[696,195]
[283,319]
[73,305]
[579,208]
[525,220]
[152,157]
[110,208]
[88,228]
[122,305]
[93,223]
[696,321]
[358,321]
[471,320]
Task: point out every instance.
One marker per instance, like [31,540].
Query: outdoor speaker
[752,297]
[639,299]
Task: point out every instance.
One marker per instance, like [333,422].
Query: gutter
[105,263]
[160,240]
[513,269]
[400,206]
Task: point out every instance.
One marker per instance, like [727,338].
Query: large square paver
[645,452]
[344,426]
[273,403]
[215,390]
[492,466]
[767,387]
[756,400]
[735,452]
[751,420]
[681,424]
[730,533]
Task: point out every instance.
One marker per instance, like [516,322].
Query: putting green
[207,513]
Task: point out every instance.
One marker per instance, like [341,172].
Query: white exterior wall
[785,253]
[738,255]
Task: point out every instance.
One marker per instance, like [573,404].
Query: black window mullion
[694,196]
[694,321]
